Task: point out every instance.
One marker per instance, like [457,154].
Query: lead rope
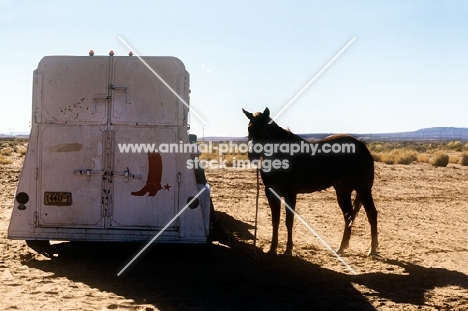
[256,214]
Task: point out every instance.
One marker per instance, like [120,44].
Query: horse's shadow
[412,286]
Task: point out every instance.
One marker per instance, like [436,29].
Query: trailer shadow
[208,277]
[234,227]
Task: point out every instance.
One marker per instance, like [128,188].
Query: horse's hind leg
[290,200]
[343,194]
[275,207]
[371,212]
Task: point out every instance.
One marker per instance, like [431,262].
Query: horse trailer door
[71,176]
[145,114]
[72,138]
[144,183]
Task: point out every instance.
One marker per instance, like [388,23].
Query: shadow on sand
[413,285]
[203,277]
[229,277]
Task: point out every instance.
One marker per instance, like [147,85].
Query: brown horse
[291,165]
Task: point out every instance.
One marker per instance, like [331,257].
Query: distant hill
[15,134]
[222,138]
[425,134]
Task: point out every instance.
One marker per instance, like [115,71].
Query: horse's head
[259,130]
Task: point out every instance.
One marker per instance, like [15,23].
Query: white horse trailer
[77,182]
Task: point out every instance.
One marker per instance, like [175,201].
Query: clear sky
[407,68]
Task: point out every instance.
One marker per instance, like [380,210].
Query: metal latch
[88,173]
[126,175]
[118,88]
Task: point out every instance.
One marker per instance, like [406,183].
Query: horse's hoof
[340,251]
[372,252]
[271,252]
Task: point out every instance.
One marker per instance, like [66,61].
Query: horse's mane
[282,134]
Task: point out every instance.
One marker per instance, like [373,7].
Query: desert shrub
[230,156]
[466,146]
[22,151]
[405,156]
[423,158]
[455,145]
[397,156]
[4,160]
[207,156]
[377,148]
[387,158]
[229,160]
[453,159]
[7,151]
[376,156]
[464,159]
[20,148]
[440,159]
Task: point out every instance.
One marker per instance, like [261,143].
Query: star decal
[166,187]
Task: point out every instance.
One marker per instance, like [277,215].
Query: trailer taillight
[111,53]
[91,53]
[130,53]
[22,198]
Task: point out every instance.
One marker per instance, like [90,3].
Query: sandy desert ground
[423,262]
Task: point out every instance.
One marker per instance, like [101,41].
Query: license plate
[58,198]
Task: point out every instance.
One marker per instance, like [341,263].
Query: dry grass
[20,149]
[396,156]
[230,157]
[5,160]
[453,159]
[10,148]
[6,151]
[455,145]
[423,158]
[435,153]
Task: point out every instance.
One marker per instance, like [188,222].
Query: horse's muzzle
[252,154]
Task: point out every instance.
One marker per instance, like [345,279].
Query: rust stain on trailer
[66,147]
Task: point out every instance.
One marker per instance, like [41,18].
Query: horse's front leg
[290,201]
[275,207]
[343,194]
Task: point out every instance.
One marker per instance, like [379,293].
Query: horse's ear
[248,114]
[266,113]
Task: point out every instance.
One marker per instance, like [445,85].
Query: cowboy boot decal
[153,182]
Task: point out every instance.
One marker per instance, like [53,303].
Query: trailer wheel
[40,246]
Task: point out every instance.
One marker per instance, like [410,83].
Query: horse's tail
[356,207]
